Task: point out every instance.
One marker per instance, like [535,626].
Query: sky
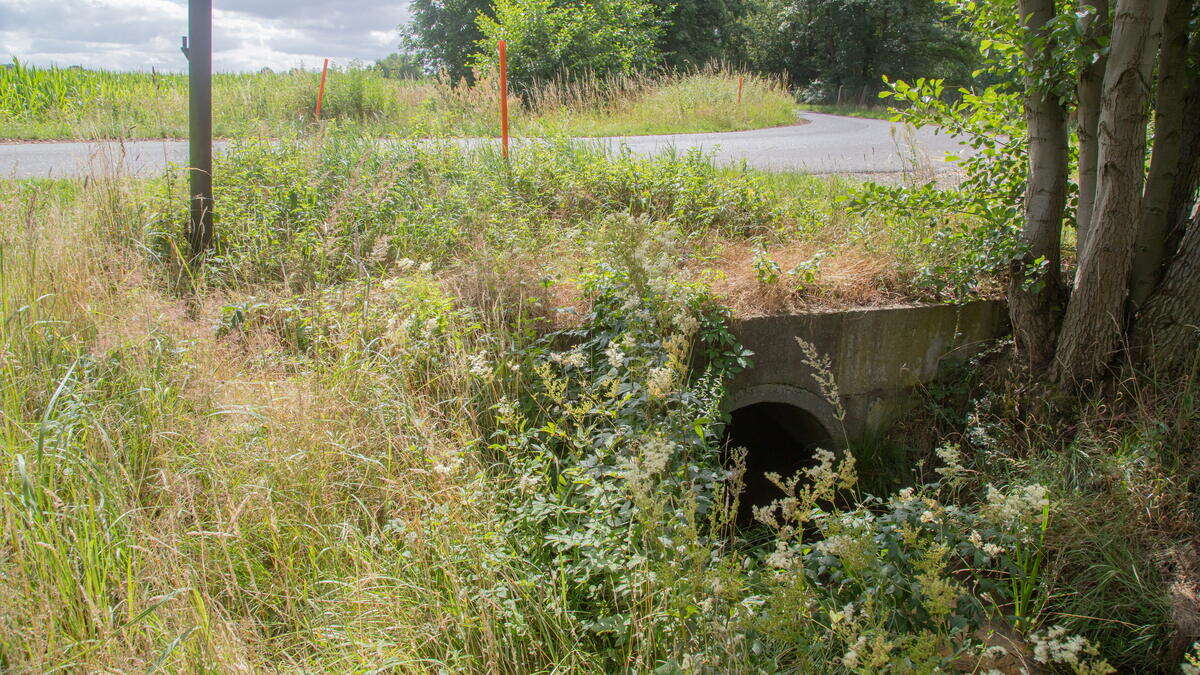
[247,34]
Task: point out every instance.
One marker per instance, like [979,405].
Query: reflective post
[503,46]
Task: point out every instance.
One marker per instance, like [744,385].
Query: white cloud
[247,34]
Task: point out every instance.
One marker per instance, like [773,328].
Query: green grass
[425,409]
[846,110]
[45,104]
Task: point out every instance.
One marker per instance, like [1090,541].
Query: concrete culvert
[778,437]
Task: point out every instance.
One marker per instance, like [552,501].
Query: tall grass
[75,103]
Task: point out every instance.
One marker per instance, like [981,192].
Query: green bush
[547,39]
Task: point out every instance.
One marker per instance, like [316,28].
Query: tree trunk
[1169,325]
[1187,180]
[1091,77]
[1094,325]
[1150,249]
[1035,289]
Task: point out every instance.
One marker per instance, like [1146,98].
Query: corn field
[28,91]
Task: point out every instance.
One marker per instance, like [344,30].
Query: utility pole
[197,47]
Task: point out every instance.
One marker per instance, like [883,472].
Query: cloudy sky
[247,34]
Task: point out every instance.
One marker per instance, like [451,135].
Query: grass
[874,112]
[50,104]
[426,410]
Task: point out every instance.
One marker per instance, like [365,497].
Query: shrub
[547,39]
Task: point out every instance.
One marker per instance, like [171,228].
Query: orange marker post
[503,46]
[741,81]
[321,89]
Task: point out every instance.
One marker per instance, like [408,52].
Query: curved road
[827,144]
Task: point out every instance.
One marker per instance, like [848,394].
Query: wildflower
[783,557]
[975,539]
[574,358]
[1022,505]
[479,365]
[616,357]
[661,381]
[992,550]
[655,454]
[506,408]
[850,658]
[951,456]
[1055,645]
[688,324]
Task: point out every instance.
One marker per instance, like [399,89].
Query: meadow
[423,409]
[70,103]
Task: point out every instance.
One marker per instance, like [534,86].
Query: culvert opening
[778,437]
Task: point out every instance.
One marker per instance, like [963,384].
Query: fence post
[503,47]
[197,47]
[741,81]
[321,90]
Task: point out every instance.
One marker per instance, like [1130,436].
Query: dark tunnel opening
[778,437]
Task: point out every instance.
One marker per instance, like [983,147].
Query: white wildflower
[783,557]
[479,365]
[850,658]
[661,381]
[951,456]
[574,358]
[992,550]
[616,357]
[656,453]
[1055,645]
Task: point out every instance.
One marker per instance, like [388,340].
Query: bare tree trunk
[1094,325]
[1091,77]
[1035,290]
[1169,325]
[1150,252]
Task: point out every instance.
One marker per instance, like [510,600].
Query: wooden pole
[741,81]
[503,47]
[197,47]
[321,89]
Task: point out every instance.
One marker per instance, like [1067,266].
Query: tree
[1136,282]
[696,32]
[444,34]
[852,43]
[548,39]
[1134,276]
[400,65]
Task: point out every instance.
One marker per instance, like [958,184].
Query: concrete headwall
[878,356]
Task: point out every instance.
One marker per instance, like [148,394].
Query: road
[827,144]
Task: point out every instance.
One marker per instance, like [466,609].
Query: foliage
[371,101]
[443,34]
[310,214]
[987,202]
[30,91]
[400,65]
[825,45]
[548,39]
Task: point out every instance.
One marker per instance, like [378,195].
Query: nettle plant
[617,492]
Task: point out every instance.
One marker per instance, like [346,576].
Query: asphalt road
[827,144]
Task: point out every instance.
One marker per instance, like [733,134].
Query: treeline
[819,46]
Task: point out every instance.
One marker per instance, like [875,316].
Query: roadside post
[321,90]
[197,47]
[503,47]
[741,81]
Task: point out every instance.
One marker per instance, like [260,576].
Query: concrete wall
[878,356]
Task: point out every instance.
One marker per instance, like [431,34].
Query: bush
[547,39]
